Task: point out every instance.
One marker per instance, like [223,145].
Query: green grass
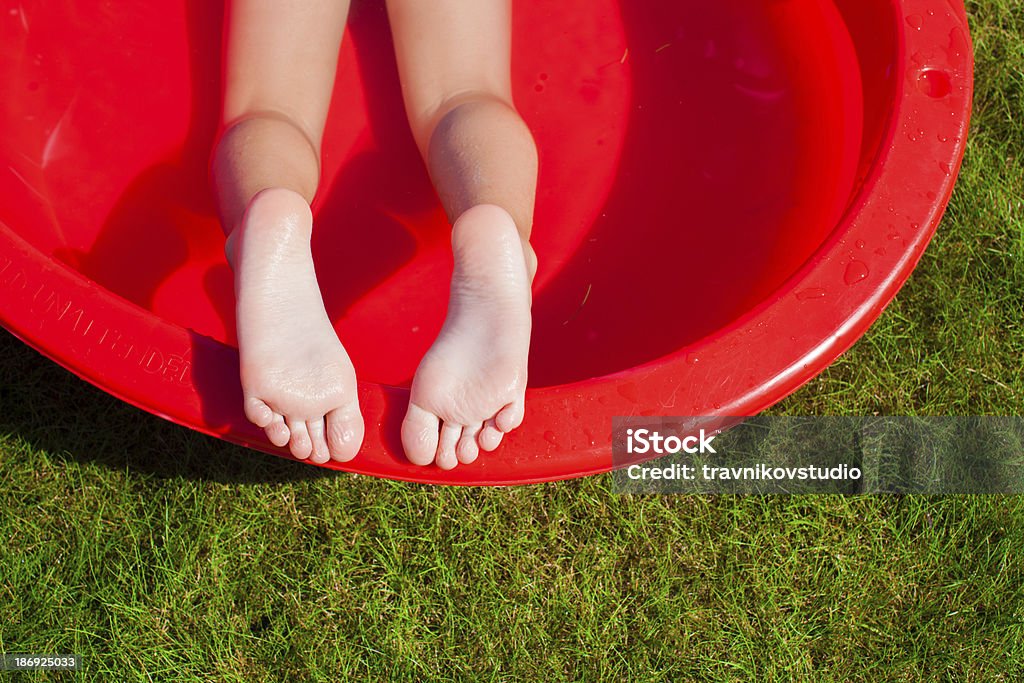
[159,554]
[207,566]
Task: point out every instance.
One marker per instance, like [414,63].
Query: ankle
[231,247]
[531,259]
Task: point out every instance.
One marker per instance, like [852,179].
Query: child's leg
[453,57]
[297,380]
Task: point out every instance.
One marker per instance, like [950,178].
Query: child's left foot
[468,391]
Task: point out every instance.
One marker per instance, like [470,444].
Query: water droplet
[628,391]
[942,138]
[550,437]
[915,21]
[810,293]
[855,272]
[915,226]
[945,168]
[860,244]
[894,236]
[575,415]
[590,437]
[543,77]
[934,83]
[539,87]
[692,359]
[880,251]
[930,195]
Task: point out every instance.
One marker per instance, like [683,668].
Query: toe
[258,412]
[490,436]
[450,435]
[467,450]
[510,417]
[300,444]
[277,431]
[344,433]
[419,435]
[320,453]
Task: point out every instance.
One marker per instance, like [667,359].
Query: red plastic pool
[730,193]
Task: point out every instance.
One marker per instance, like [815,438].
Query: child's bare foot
[297,379]
[469,389]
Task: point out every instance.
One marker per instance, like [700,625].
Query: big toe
[420,435]
[258,412]
[510,417]
[345,432]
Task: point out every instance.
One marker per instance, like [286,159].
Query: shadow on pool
[54,411]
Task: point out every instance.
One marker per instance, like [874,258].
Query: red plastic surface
[730,193]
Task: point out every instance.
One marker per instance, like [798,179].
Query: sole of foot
[298,382]
[469,389]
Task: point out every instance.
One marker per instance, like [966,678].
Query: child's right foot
[298,382]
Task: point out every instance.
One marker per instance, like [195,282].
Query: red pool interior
[729,194]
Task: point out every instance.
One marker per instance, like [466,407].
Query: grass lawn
[160,554]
